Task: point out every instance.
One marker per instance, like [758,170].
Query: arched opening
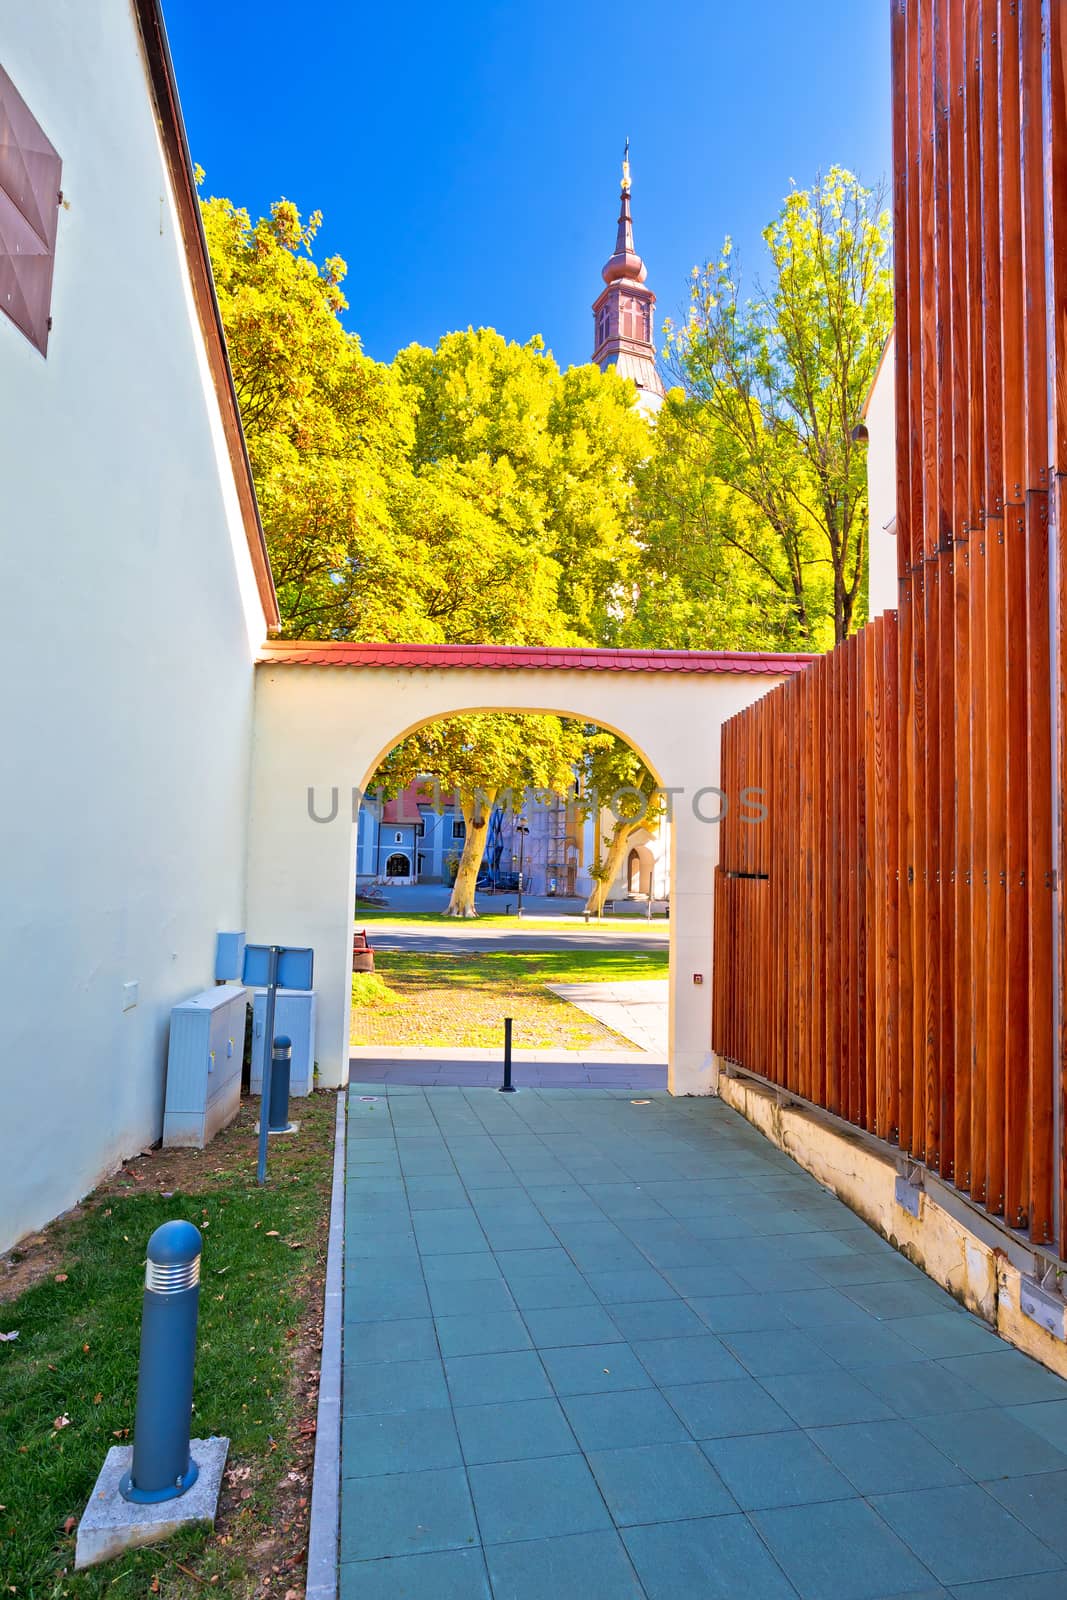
[525,839]
[633,873]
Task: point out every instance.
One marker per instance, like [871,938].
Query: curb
[325,1520]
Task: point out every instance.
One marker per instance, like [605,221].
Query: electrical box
[294,1014]
[207,1040]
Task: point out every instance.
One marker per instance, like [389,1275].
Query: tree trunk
[621,835]
[476,814]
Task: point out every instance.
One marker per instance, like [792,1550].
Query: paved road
[463,938]
[619,1347]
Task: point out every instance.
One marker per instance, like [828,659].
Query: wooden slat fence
[891,946]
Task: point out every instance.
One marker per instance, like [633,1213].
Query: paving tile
[692,1359]
[741,1313]
[393,1386]
[513,1431]
[515,1264]
[1048,1418]
[948,1333]
[594,1566]
[963,1535]
[504,1235]
[639,1283]
[594,1369]
[659,1483]
[657,1319]
[399,1441]
[775,1469]
[883,1457]
[922,1389]
[902,1299]
[715,1558]
[469,1296]
[862,1268]
[825,1308]
[991,1444]
[571,1325]
[413,1339]
[483,1333]
[1040,1503]
[406,1513]
[721,1410]
[487,1380]
[769,1352]
[448,1233]
[713,1279]
[622,1418]
[445,1574]
[465,1268]
[817,1399]
[554,1291]
[384,1302]
[840,1550]
[548,1497]
[1008,1377]
[869,1344]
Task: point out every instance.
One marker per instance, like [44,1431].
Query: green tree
[618,780]
[777,382]
[710,573]
[559,451]
[329,431]
[483,759]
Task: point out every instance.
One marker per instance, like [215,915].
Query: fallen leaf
[272,1233]
[640,1102]
[6,1338]
[296,1244]
[61,1422]
[97,1399]
[85,1349]
[61,1277]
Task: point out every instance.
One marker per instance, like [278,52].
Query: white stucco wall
[882,485]
[327,728]
[130,620]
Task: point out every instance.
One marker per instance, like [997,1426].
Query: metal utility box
[294,1014]
[207,1038]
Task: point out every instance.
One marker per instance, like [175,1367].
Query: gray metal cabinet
[294,1015]
[207,1034]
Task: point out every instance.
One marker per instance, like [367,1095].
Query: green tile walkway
[605,1350]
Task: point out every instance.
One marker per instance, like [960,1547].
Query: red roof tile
[339,653]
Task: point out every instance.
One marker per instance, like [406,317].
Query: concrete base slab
[294,1127]
[110,1524]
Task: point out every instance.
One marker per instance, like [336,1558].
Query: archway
[327,714]
[398,866]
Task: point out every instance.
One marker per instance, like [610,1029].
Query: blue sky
[466,156]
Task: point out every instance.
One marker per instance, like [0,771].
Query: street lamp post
[522,829]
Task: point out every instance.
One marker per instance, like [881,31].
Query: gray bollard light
[162,1467]
[280,1068]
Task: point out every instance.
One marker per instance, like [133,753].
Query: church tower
[622,316]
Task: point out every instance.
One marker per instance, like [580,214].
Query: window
[30,170]
[398,838]
[459,828]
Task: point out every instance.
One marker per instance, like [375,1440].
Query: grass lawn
[68,1381]
[424,999]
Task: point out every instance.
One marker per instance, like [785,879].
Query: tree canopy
[773,389]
